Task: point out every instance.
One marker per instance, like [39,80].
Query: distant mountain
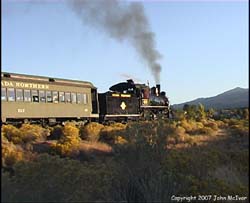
[234,98]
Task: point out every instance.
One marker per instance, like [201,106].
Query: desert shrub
[10,157]
[107,134]
[118,126]
[180,130]
[221,124]
[53,179]
[178,136]
[70,134]
[111,133]
[33,133]
[232,122]
[239,130]
[178,114]
[120,140]
[10,153]
[91,131]
[170,128]
[68,144]
[198,125]
[26,134]
[191,126]
[202,131]
[56,133]
[182,136]
[186,125]
[195,172]
[140,175]
[211,124]
[65,149]
[238,127]
[203,127]
[12,134]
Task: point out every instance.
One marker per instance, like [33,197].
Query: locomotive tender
[27,98]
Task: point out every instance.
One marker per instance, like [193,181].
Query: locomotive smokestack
[158,89]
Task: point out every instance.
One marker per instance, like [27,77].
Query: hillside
[234,98]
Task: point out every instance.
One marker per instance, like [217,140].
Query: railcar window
[67,97]
[27,96]
[42,96]
[34,94]
[3,94]
[11,94]
[73,97]
[49,96]
[84,98]
[79,98]
[61,97]
[55,97]
[19,95]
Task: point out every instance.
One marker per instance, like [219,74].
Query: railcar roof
[44,78]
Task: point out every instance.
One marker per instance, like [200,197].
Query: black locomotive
[130,101]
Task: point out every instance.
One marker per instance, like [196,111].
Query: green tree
[246,114]
[201,113]
[190,111]
[210,113]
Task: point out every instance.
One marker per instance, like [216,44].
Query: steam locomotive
[127,100]
[39,99]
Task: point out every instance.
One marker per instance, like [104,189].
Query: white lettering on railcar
[20,110]
[24,85]
[7,84]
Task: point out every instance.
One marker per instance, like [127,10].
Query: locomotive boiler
[153,102]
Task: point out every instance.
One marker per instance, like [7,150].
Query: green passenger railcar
[44,99]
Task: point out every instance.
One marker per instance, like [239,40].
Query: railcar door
[94,101]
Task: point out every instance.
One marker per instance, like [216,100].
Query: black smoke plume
[122,20]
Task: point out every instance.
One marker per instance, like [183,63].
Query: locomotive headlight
[144,101]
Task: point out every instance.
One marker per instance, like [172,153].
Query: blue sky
[204,46]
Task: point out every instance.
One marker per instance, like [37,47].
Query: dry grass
[95,146]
